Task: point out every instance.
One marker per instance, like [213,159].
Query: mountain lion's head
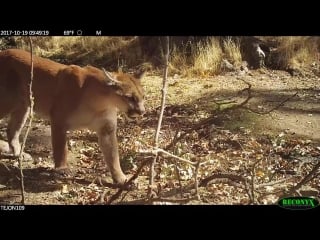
[129,92]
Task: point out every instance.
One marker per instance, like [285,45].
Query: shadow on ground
[300,113]
[36,179]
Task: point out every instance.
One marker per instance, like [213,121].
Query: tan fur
[72,97]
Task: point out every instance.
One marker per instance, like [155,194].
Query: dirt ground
[278,147]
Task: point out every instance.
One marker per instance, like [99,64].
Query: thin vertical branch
[164,92]
[252,187]
[163,102]
[179,177]
[196,182]
[31,102]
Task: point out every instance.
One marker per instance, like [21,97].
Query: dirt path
[299,115]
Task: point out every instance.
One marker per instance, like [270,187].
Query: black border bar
[149,27]
[66,31]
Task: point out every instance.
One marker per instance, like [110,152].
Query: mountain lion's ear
[111,80]
[139,74]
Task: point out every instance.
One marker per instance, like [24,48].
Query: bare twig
[311,175]
[5,166]
[126,186]
[229,182]
[249,190]
[196,183]
[248,89]
[253,175]
[160,150]
[162,201]
[272,109]
[179,177]
[163,102]
[164,93]
[231,176]
[275,182]
[232,180]
[31,102]
[168,201]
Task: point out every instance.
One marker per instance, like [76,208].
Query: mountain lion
[72,97]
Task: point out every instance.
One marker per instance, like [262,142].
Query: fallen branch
[160,201]
[232,180]
[169,201]
[311,175]
[227,181]
[272,109]
[231,176]
[274,182]
[127,185]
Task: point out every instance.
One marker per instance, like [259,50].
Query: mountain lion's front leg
[59,145]
[109,147]
[16,123]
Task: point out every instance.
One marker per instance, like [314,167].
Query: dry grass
[53,45]
[232,51]
[179,62]
[207,57]
[204,57]
[121,51]
[296,51]
[198,58]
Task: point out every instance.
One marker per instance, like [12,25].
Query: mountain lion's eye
[132,99]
